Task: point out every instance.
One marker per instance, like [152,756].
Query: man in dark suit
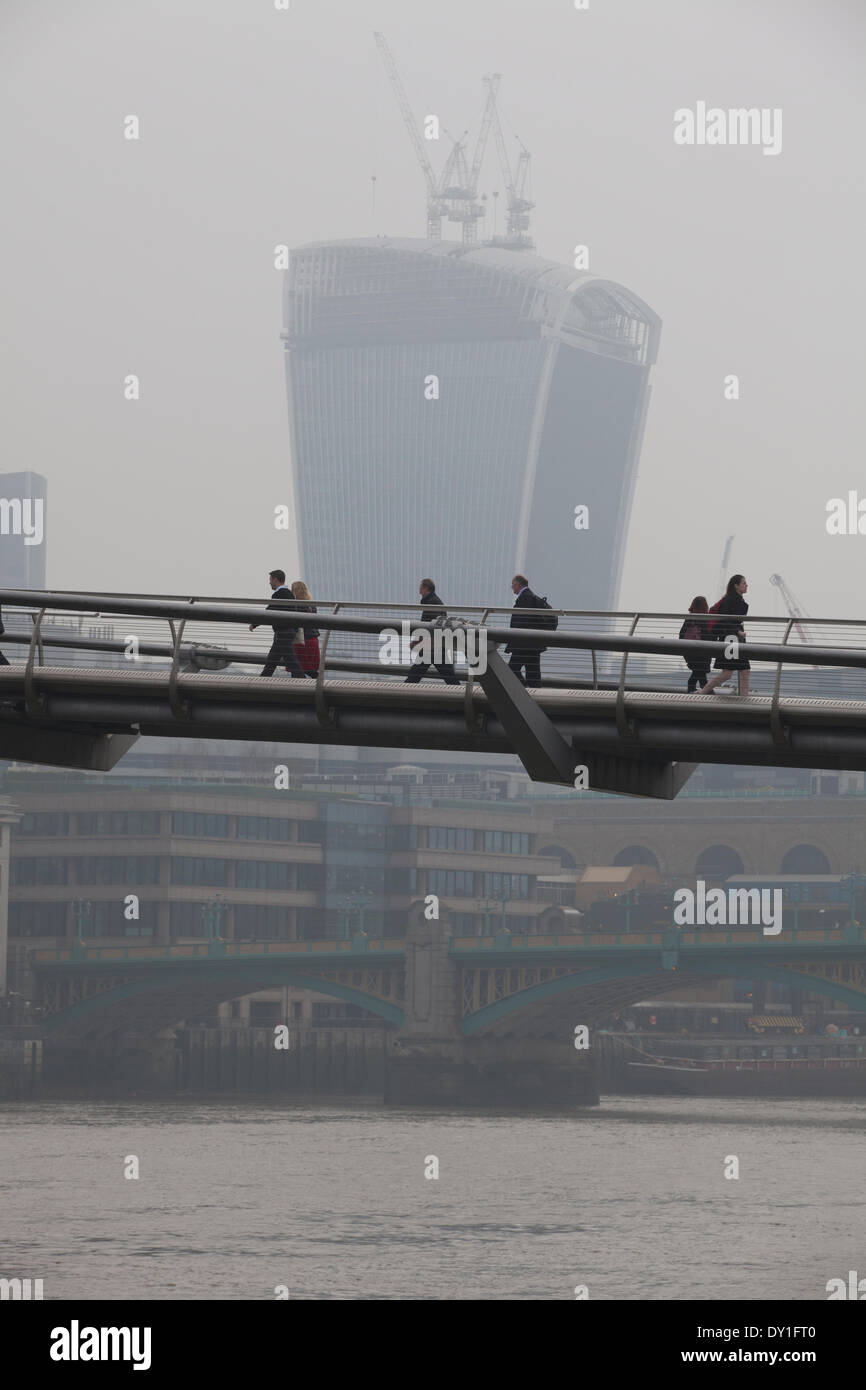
[430,600]
[526,659]
[282,651]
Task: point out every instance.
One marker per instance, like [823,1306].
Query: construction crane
[794,610]
[434,208]
[723,567]
[518,202]
[455,193]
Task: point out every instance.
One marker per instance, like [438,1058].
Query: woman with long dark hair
[729,623]
[694,629]
[307,651]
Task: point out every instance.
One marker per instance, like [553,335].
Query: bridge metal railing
[710,938]
[590,649]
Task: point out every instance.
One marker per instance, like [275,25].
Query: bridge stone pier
[429,1062]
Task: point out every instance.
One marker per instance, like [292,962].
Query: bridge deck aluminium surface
[397,694]
[798,731]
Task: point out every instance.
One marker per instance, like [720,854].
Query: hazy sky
[260,126]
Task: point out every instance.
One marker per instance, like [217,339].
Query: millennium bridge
[611,713]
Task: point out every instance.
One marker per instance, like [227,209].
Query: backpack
[714,609]
[692,633]
[547,624]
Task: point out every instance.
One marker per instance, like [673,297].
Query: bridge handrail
[254,610]
[88,597]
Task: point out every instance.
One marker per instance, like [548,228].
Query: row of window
[336,834]
[461,883]
[130,870]
[240,921]
[201,824]
[461,839]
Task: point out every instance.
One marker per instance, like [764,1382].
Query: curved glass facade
[449,409]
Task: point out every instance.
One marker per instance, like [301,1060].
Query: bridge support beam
[34,743]
[431,1063]
[545,754]
[606,772]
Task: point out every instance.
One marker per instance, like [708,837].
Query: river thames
[237,1201]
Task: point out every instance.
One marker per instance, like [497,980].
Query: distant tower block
[543,384]
[22,557]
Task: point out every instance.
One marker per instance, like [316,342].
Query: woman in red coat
[307,651]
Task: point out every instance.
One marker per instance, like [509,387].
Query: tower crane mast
[434,210]
[518,204]
[794,610]
[455,193]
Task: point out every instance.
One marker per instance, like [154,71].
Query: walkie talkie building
[450,408]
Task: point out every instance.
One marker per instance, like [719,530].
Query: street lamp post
[506,898]
[82,910]
[487,916]
[344,907]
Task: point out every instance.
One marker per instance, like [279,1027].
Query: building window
[107,919]
[454,883]
[805,859]
[117,868]
[718,862]
[403,837]
[203,825]
[188,919]
[635,854]
[207,872]
[401,880]
[265,1013]
[264,828]
[37,919]
[464,923]
[311,877]
[354,878]
[38,870]
[259,923]
[117,822]
[506,842]
[259,873]
[506,885]
[456,838]
[42,823]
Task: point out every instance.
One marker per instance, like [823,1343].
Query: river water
[331,1201]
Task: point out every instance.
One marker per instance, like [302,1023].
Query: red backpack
[715,608]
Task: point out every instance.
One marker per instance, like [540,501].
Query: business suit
[527,659]
[420,668]
[282,652]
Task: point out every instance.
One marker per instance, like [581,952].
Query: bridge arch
[158,1001]
[630,855]
[565,857]
[718,862]
[805,859]
[629,983]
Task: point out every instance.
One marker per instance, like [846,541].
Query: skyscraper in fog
[450,408]
[23,498]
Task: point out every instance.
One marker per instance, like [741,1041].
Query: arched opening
[806,859]
[718,862]
[557,852]
[635,854]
